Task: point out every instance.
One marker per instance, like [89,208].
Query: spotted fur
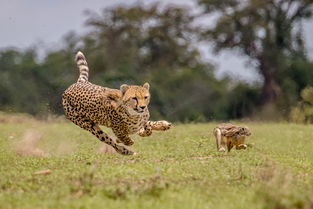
[124,110]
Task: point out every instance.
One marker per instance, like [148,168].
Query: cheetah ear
[124,88]
[146,86]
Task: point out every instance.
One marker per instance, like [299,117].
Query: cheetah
[227,134]
[124,110]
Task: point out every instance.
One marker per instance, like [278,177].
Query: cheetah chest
[135,123]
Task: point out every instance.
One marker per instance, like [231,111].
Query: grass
[179,168]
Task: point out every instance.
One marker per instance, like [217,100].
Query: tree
[303,112]
[129,45]
[267,31]
[154,44]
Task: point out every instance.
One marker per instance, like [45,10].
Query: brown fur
[229,135]
[125,110]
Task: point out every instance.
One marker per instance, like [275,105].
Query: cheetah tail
[82,66]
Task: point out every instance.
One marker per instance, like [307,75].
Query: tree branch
[299,11]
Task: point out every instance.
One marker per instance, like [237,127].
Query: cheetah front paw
[145,132]
[163,125]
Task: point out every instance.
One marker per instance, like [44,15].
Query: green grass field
[179,168]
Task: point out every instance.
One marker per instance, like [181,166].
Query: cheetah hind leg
[122,138]
[96,130]
[125,140]
[90,126]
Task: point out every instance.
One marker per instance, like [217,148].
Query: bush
[303,112]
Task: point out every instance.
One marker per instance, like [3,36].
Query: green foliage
[296,74]
[268,32]
[303,112]
[243,101]
[30,86]
[155,46]
[20,73]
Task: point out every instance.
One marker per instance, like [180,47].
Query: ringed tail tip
[79,56]
[82,66]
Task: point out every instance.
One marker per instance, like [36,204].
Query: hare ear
[124,88]
[146,86]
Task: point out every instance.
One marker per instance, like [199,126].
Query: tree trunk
[270,89]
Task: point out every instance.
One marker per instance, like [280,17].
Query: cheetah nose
[142,107]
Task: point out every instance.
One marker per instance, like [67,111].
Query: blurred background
[205,59]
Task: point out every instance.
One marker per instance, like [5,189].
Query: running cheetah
[124,110]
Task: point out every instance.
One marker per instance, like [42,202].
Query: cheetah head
[135,98]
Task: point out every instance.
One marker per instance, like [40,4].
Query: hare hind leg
[241,143]
[230,143]
[220,140]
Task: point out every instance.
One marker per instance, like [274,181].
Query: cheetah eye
[134,98]
[146,97]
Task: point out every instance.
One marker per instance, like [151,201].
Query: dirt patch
[106,149]
[65,148]
[28,146]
